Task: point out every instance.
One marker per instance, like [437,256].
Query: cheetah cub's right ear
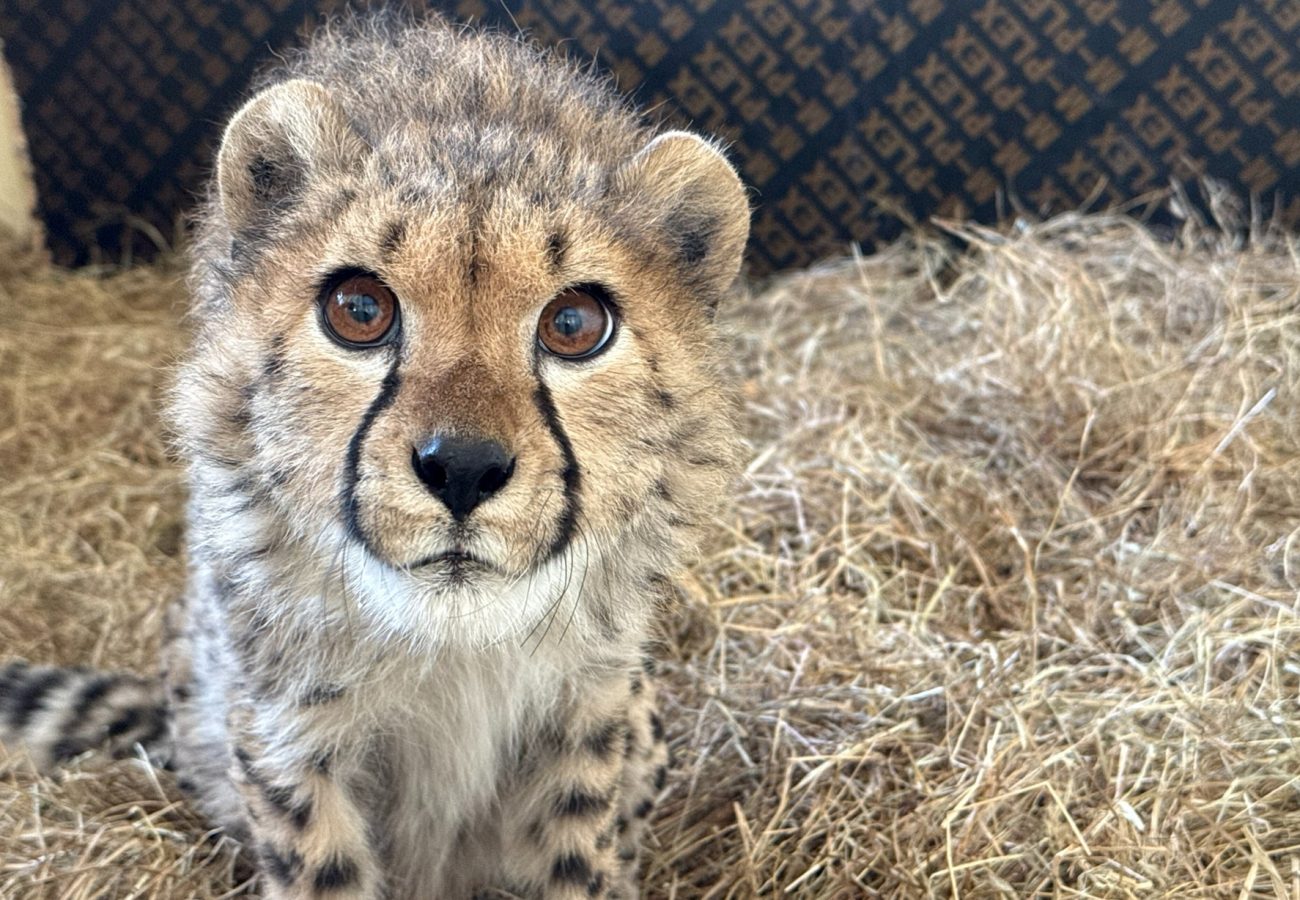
[281,141]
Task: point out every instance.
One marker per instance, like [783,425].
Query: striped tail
[55,714]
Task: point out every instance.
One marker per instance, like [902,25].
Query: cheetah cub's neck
[452,414]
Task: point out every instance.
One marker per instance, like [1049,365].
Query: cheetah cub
[452,411]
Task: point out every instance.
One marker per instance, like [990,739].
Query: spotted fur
[379,699]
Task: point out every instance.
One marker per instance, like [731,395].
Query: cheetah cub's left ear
[276,145]
[685,184]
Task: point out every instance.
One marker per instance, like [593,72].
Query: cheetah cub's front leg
[585,791]
[309,833]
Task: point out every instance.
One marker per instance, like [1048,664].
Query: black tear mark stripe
[571,475]
[351,506]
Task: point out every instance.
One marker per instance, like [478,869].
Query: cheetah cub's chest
[452,415]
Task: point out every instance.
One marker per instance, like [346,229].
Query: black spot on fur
[605,839]
[627,854]
[551,737]
[620,825]
[274,179]
[604,739]
[656,728]
[322,693]
[537,832]
[557,245]
[643,808]
[580,803]
[604,616]
[706,462]
[241,416]
[284,868]
[273,364]
[394,234]
[661,777]
[412,195]
[693,237]
[323,762]
[636,686]
[128,720]
[67,748]
[572,868]
[648,665]
[666,399]
[155,727]
[30,697]
[339,872]
[11,677]
[339,203]
[282,800]
[246,766]
[663,491]
[693,246]
[92,692]
[596,884]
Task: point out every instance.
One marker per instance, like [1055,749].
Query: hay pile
[1008,606]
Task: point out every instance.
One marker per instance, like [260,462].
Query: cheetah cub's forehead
[462,303]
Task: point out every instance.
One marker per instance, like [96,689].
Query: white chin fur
[485,608]
[333,577]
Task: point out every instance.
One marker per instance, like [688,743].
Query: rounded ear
[278,143]
[685,185]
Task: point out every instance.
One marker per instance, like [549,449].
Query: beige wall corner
[17,189]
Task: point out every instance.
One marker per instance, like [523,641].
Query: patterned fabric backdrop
[850,118]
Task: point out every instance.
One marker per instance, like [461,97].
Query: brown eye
[360,311]
[576,324]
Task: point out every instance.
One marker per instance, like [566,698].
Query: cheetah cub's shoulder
[452,410]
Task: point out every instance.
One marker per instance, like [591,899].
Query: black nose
[462,471]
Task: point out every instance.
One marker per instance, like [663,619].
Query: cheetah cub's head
[456,341]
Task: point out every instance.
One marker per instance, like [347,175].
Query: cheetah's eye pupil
[568,321]
[359,311]
[362,307]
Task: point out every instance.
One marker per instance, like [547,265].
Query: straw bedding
[1007,605]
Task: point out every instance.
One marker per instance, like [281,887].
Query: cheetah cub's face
[479,366]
